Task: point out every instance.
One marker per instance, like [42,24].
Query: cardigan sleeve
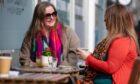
[25,53]
[74,43]
[117,53]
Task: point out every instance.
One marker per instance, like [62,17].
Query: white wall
[15,18]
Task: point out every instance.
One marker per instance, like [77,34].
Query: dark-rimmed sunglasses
[48,15]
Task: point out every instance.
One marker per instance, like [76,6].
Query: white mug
[46,61]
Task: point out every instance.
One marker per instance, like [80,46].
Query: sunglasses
[48,15]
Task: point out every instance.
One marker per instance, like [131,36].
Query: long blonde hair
[119,21]
[135,75]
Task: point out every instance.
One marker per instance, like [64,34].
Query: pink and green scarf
[54,42]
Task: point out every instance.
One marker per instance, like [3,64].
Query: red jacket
[121,55]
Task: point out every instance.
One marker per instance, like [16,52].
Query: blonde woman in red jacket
[113,58]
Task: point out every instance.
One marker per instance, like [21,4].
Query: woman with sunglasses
[46,31]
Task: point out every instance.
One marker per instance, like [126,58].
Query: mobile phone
[85,49]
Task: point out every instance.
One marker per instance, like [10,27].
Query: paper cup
[5,64]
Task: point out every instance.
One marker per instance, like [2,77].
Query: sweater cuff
[88,59]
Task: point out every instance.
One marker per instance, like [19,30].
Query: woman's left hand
[82,53]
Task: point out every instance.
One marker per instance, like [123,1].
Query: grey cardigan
[70,42]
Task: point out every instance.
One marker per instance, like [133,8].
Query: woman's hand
[83,54]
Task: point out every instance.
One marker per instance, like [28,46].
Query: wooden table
[36,78]
[73,72]
[47,70]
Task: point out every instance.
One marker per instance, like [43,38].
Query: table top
[47,70]
[35,78]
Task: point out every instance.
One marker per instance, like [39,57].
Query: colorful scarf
[99,53]
[54,43]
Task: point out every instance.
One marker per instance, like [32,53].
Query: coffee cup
[5,64]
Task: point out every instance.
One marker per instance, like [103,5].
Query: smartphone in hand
[85,49]
[76,49]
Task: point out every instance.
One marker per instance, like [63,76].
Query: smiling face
[50,16]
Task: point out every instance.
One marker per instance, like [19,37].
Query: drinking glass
[54,63]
